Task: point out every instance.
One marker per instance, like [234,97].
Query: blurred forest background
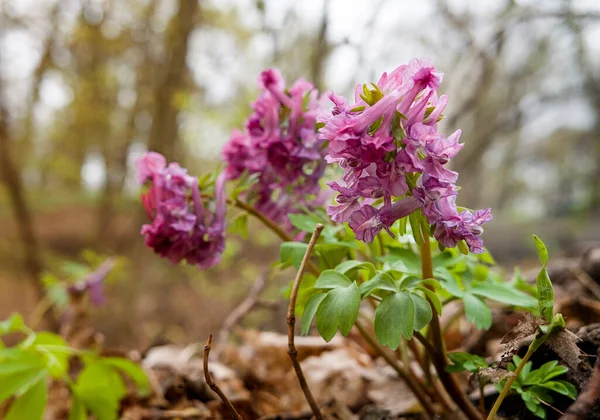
[86,86]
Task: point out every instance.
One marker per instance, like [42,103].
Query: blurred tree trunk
[117,147]
[164,134]
[321,50]
[11,177]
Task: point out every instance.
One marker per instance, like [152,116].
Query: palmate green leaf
[504,293]
[394,318]
[292,253]
[31,404]
[403,260]
[330,279]
[381,281]
[448,282]
[477,311]
[20,369]
[423,313]
[132,370]
[55,351]
[310,311]
[350,265]
[100,388]
[339,309]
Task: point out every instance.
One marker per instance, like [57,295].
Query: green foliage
[26,369]
[534,386]
[543,283]
[465,361]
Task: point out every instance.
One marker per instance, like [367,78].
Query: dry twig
[211,383]
[586,401]
[251,301]
[291,321]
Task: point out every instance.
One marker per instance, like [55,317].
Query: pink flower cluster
[182,227]
[280,147]
[391,152]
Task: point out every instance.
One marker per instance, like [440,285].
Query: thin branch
[291,321]
[244,307]
[211,383]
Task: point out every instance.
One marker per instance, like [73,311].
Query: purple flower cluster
[183,227]
[388,145]
[280,147]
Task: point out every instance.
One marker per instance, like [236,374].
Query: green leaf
[415,225]
[404,260]
[339,309]
[293,253]
[542,250]
[465,361]
[545,294]
[14,323]
[423,313]
[100,388]
[394,317]
[132,370]
[20,360]
[477,311]
[302,222]
[55,351]
[331,279]
[347,266]
[239,225]
[31,404]
[449,282]
[310,311]
[381,281]
[19,382]
[562,387]
[78,411]
[433,297]
[504,293]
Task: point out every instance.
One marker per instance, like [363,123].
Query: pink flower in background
[388,145]
[281,148]
[182,227]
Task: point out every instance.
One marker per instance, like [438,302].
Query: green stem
[439,358]
[537,342]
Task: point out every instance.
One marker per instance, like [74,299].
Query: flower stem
[439,357]
[264,219]
[283,235]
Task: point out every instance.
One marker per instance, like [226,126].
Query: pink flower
[387,140]
[280,147]
[181,226]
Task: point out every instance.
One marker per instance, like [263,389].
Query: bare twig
[211,383]
[580,409]
[244,307]
[291,321]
